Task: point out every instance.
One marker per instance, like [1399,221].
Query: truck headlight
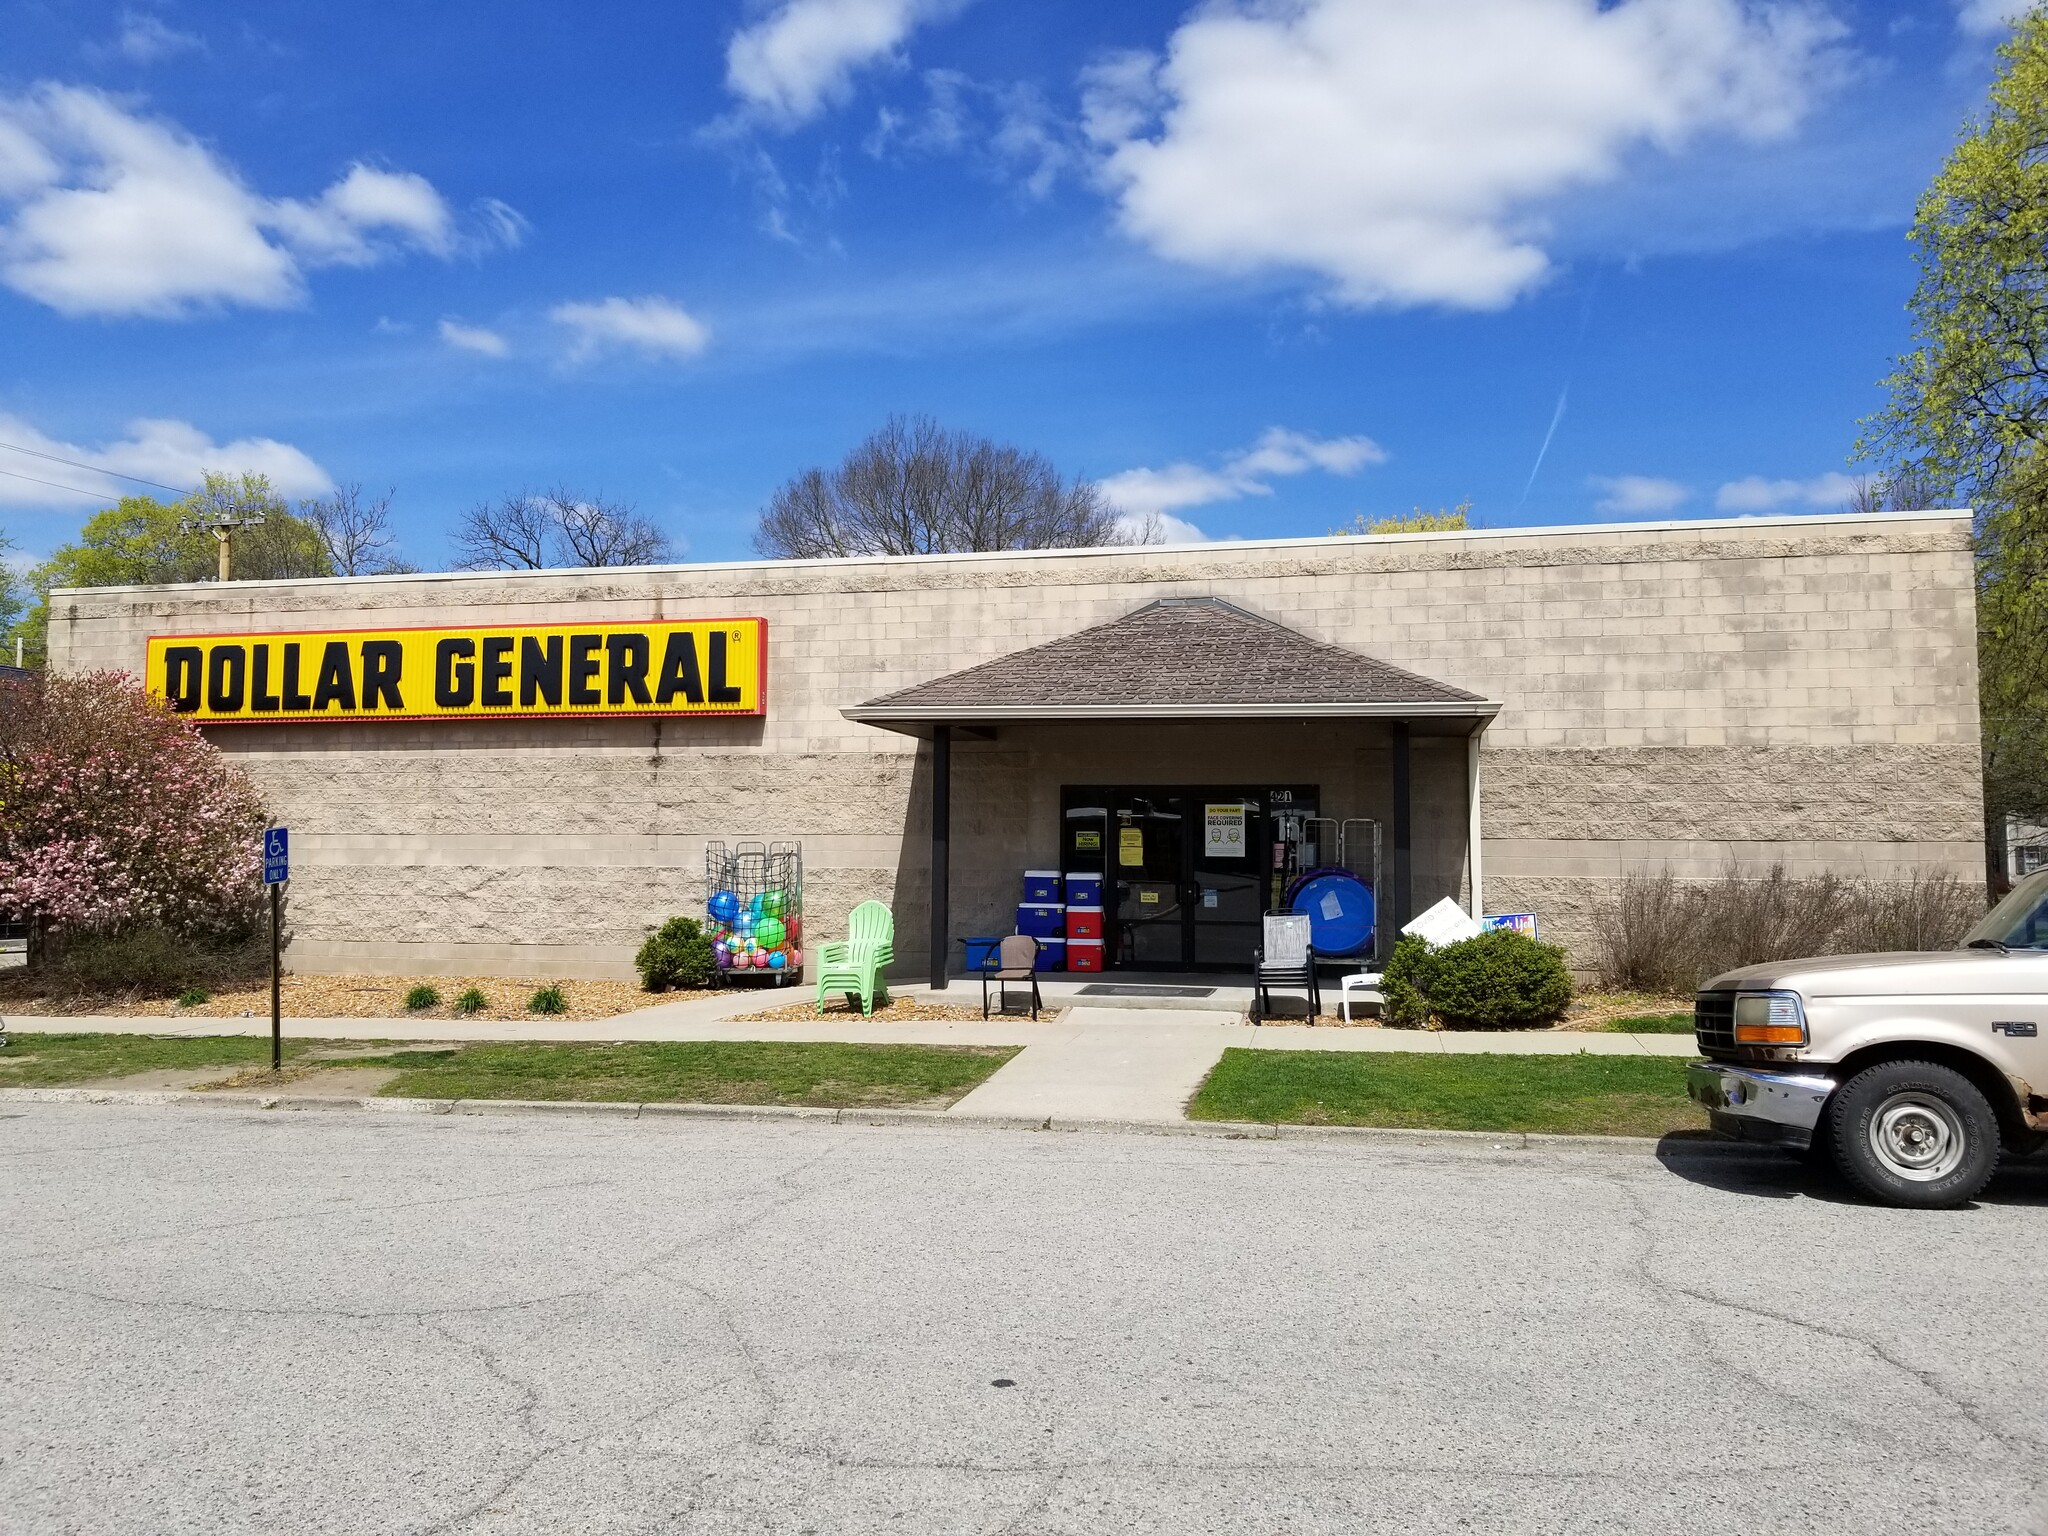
[1769,1018]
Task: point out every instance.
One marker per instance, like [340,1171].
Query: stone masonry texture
[1693,696]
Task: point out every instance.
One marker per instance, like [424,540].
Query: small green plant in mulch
[472,1001]
[1581,1094]
[1499,980]
[817,1073]
[194,997]
[547,1000]
[678,954]
[422,996]
[1651,1024]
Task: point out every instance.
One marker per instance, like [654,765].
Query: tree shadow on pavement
[1773,1174]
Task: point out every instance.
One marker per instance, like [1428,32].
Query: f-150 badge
[2016,1029]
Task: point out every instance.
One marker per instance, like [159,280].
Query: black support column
[1399,896]
[942,852]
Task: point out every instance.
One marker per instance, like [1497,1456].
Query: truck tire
[1911,1133]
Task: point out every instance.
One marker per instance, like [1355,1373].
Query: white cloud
[474,338]
[1756,494]
[1160,528]
[1141,493]
[653,325]
[1011,130]
[105,212]
[1988,18]
[801,57]
[146,39]
[1403,151]
[167,451]
[1630,495]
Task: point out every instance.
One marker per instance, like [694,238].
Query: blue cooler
[983,954]
[1052,955]
[1084,890]
[1042,885]
[1042,919]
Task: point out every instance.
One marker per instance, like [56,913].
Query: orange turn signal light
[1769,1034]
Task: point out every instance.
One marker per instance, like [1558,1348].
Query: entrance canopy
[1177,658]
[1181,658]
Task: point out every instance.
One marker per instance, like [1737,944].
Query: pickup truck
[1913,1072]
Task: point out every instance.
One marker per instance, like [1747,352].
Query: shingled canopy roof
[1177,658]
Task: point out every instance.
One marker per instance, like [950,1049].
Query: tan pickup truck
[1912,1071]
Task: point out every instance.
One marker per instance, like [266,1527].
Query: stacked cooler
[1084,922]
[1043,915]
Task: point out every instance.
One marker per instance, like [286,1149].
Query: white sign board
[1444,923]
[1223,831]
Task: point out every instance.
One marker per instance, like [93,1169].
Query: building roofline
[1813,520]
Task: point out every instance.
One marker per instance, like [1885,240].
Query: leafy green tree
[10,600]
[141,541]
[1968,414]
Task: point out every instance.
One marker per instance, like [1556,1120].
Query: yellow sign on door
[1130,847]
[692,667]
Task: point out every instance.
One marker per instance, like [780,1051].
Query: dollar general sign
[695,667]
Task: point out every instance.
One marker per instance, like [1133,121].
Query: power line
[32,480]
[38,453]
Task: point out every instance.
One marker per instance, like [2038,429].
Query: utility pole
[223,529]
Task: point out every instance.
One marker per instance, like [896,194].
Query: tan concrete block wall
[1699,690]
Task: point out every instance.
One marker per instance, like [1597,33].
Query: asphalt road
[216,1321]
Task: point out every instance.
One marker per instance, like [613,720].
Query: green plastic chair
[855,967]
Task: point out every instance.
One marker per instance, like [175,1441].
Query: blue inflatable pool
[1339,907]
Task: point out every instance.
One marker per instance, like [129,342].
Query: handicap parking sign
[277,856]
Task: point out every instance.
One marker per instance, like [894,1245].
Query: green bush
[146,959]
[1499,980]
[194,997]
[547,1000]
[472,1001]
[678,954]
[422,996]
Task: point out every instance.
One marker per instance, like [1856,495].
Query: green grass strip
[1651,1024]
[41,1061]
[707,1072]
[1572,1095]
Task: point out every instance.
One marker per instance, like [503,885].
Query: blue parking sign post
[277,868]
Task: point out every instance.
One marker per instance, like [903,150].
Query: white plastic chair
[1358,981]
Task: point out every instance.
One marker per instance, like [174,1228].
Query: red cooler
[1084,923]
[1084,954]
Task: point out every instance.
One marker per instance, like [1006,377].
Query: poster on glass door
[1223,831]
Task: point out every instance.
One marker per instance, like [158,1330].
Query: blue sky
[1257,267]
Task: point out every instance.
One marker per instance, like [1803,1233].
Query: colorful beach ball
[725,906]
[770,932]
[777,961]
[761,960]
[773,903]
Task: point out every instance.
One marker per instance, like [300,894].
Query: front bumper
[1749,1104]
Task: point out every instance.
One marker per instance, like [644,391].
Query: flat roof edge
[1811,520]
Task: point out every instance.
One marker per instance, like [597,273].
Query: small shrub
[547,1000]
[422,996]
[678,954]
[146,959]
[1498,980]
[472,1001]
[194,997]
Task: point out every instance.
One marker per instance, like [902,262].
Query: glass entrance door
[1225,901]
[1147,878]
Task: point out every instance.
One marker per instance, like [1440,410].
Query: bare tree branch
[357,532]
[914,488]
[555,529]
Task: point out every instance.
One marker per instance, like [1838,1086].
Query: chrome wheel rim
[1916,1136]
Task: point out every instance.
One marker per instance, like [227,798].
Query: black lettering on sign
[626,670]
[293,699]
[261,699]
[2016,1029]
[721,691]
[540,670]
[383,661]
[497,672]
[583,669]
[183,665]
[227,668]
[454,677]
[679,674]
[337,684]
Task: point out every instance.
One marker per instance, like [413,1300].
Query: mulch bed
[344,997]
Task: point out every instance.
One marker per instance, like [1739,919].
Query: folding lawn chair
[1284,960]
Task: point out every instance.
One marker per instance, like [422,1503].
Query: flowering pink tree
[115,810]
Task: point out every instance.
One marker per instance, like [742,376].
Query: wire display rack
[755,897]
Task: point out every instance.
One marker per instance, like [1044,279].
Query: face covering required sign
[695,667]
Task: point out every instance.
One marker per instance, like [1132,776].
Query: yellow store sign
[696,667]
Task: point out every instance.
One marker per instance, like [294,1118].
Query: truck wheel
[1914,1134]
